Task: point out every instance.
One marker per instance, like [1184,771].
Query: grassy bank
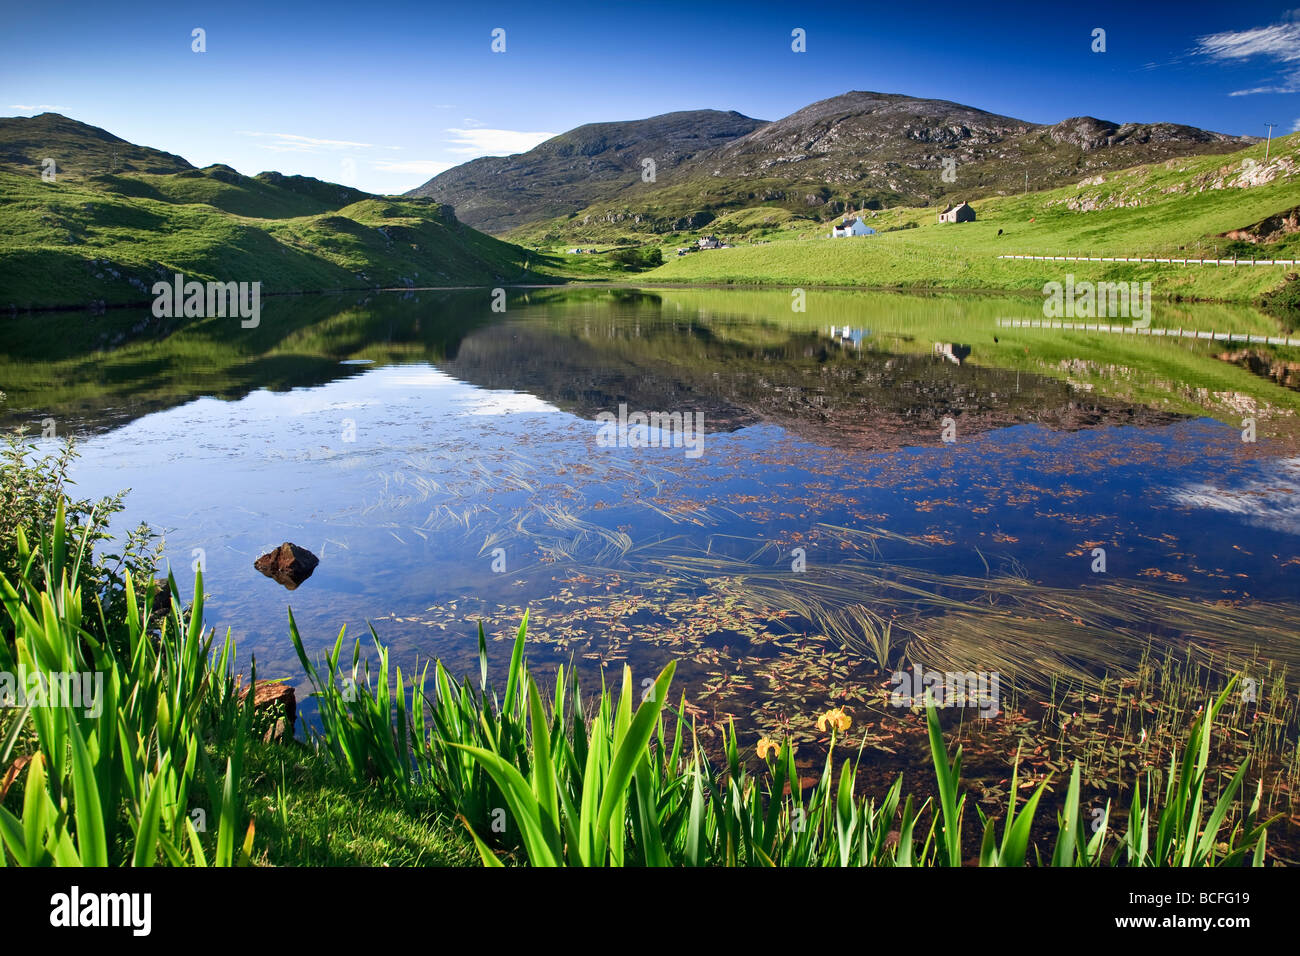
[928,259]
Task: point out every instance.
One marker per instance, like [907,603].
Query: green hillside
[1180,207]
[78,150]
[117,217]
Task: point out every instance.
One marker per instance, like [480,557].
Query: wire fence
[1136,329]
[1183,261]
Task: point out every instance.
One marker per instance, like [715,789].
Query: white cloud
[415,376]
[1279,42]
[32,109]
[1295,127]
[505,403]
[1267,501]
[494,142]
[424,167]
[1290,84]
[293,143]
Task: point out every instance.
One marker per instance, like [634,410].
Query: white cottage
[962,212]
[852,227]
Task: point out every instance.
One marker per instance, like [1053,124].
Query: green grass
[1178,207]
[116,786]
[79,241]
[307,812]
[103,235]
[169,770]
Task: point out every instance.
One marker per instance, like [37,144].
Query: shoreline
[718,284]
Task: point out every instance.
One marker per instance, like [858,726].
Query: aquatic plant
[621,780]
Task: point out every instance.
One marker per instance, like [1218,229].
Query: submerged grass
[621,780]
[1005,621]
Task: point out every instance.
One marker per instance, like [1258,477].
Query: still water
[1014,500]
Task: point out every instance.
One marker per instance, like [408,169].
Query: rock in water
[288,564]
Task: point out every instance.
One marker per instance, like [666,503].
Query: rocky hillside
[858,150]
[575,169]
[899,146]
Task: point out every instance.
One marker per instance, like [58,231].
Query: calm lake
[1023,501]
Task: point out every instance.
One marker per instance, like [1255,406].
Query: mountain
[571,171]
[117,217]
[854,151]
[891,143]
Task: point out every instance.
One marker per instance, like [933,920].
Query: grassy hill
[119,217]
[265,196]
[78,150]
[1178,207]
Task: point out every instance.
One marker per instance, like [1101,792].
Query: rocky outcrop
[1089,133]
[1272,229]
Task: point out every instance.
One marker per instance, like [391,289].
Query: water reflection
[908,467]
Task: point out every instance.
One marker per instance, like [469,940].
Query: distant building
[709,242]
[962,212]
[852,227]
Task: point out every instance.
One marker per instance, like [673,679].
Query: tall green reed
[622,781]
[113,783]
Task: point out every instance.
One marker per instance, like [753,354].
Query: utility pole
[1270,140]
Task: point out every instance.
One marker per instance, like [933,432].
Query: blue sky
[385,95]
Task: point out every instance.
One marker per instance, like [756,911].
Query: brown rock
[288,564]
[280,700]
